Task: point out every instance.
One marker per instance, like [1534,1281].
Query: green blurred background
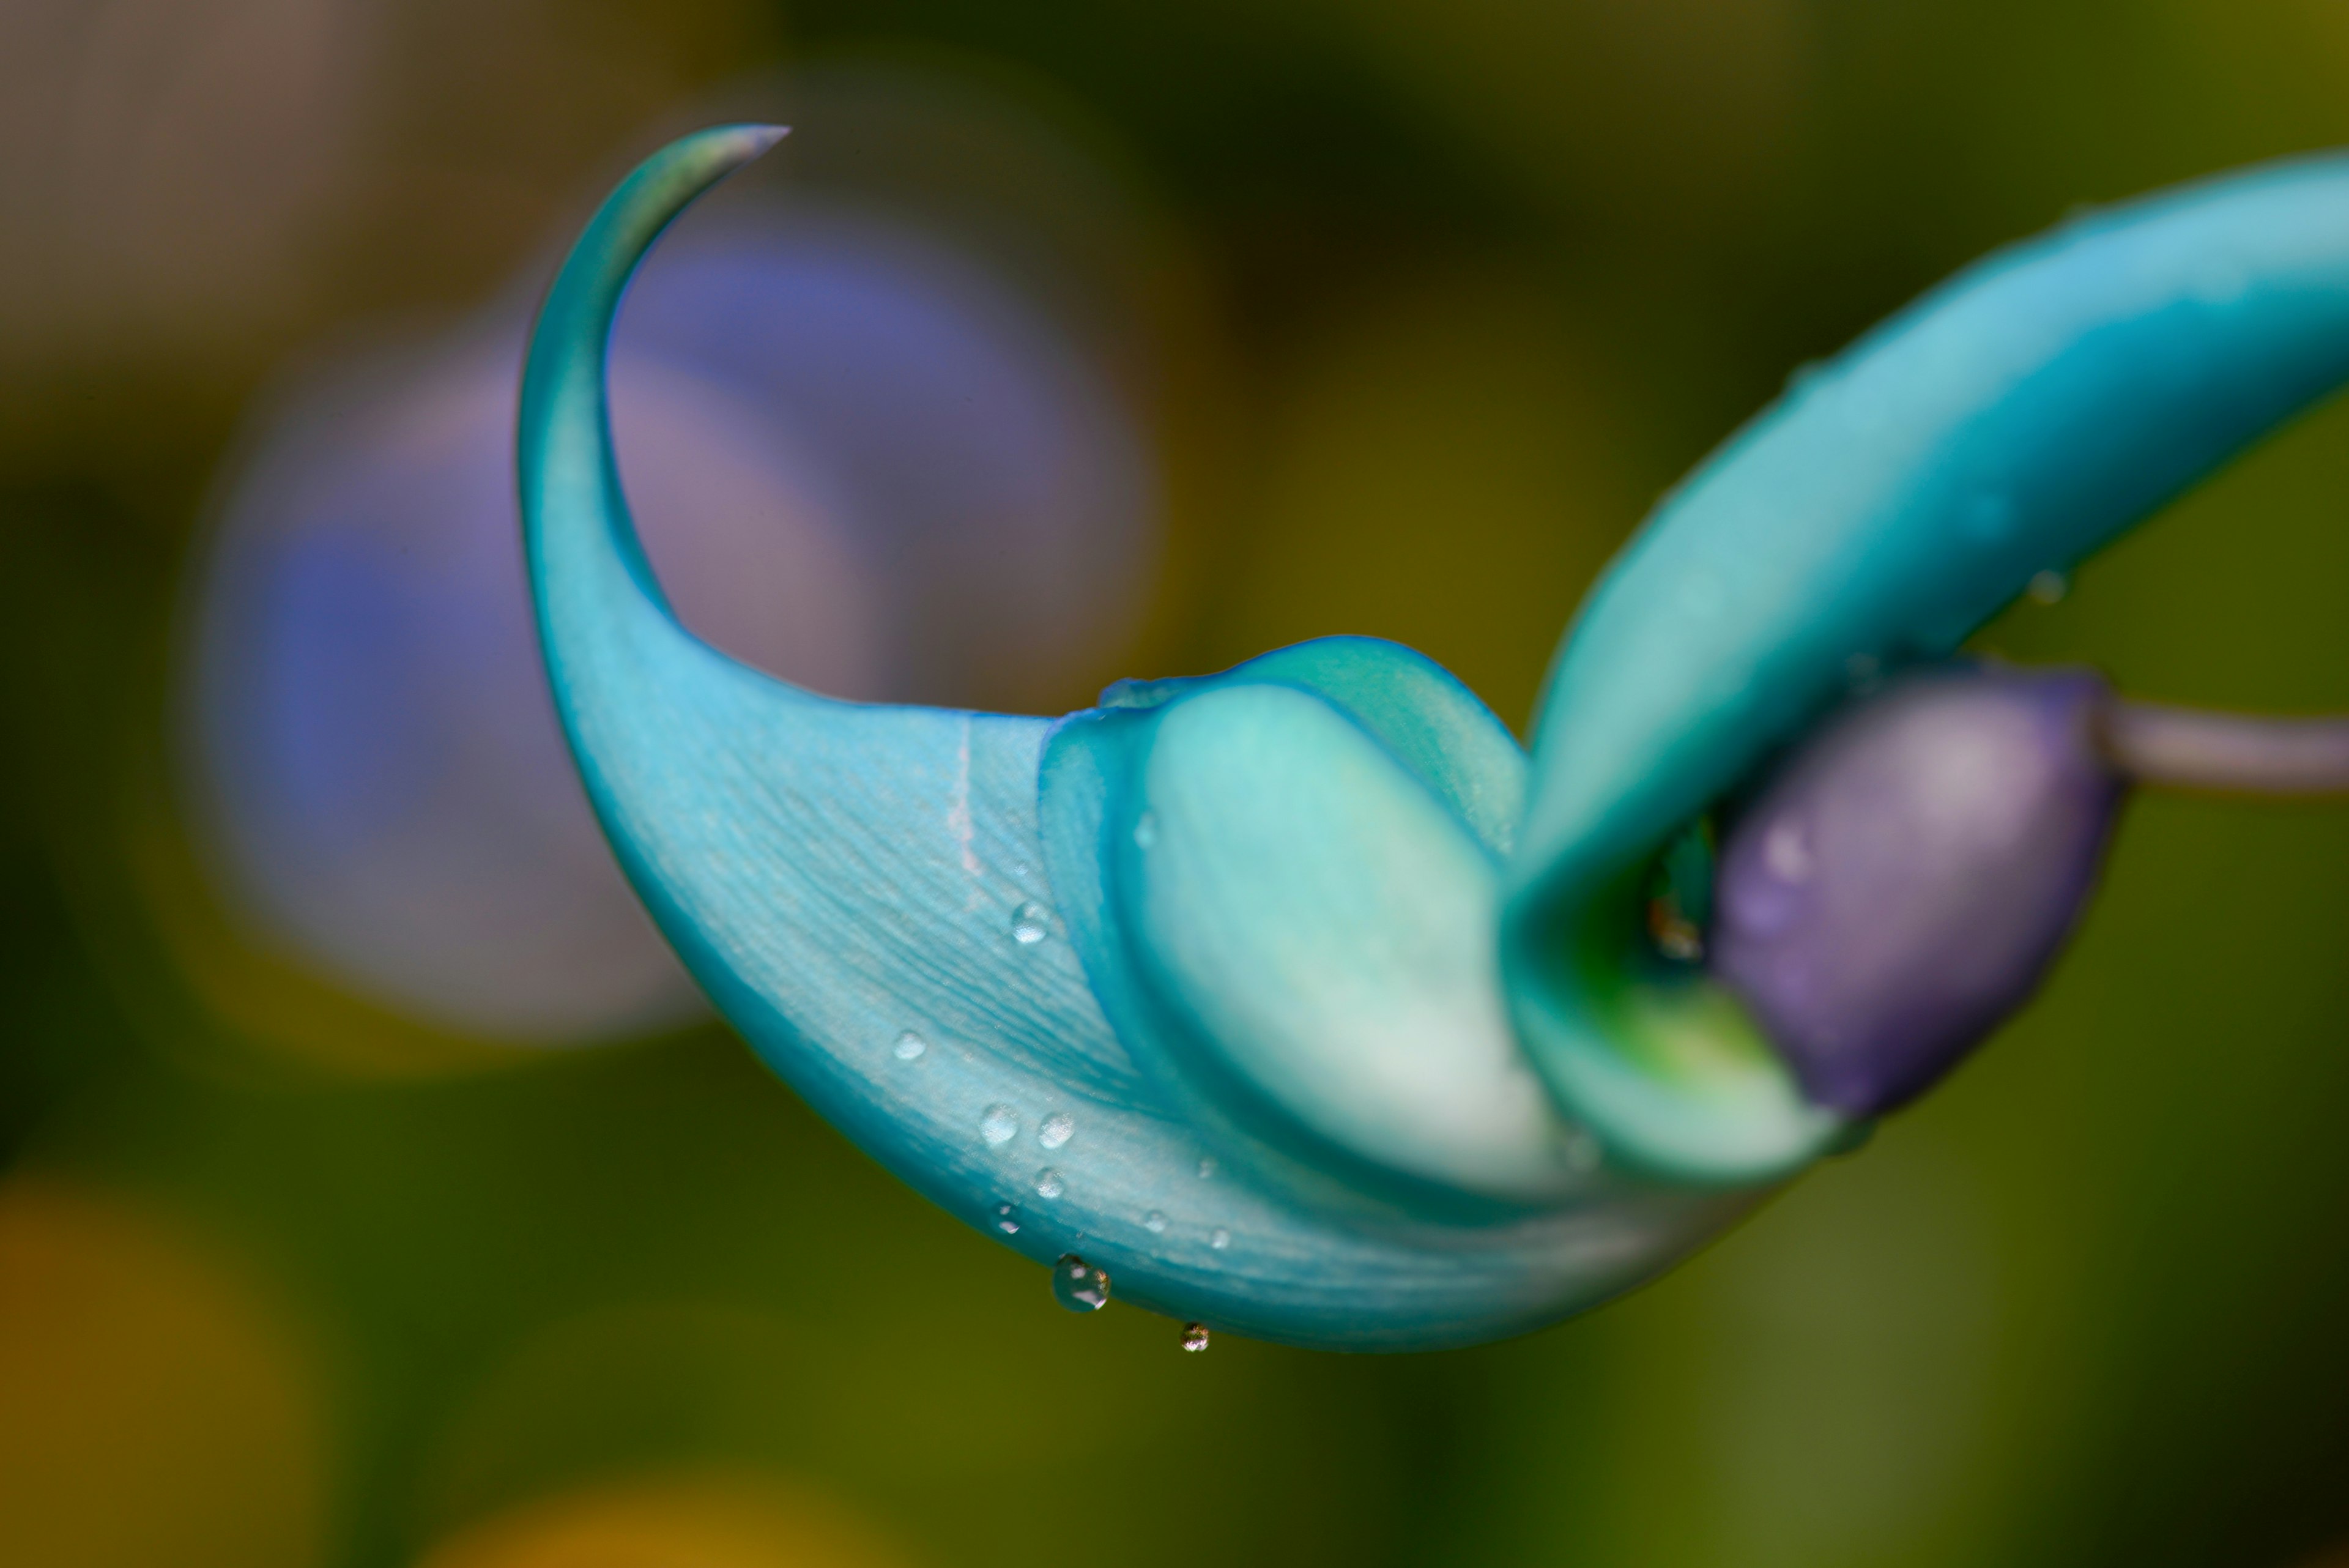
[1460,288]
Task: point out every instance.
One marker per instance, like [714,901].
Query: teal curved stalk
[1239,987]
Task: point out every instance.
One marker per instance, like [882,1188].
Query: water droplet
[1048,1183]
[998,1126]
[1207,1168]
[1219,1238]
[909,1047]
[1007,1218]
[1078,1285]
[1582,1151]
[1030,923]
[1145,830]
[1154,1222]
[1195,1337]
[2049,586]
[1058,1128]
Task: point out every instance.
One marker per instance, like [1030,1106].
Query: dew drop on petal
[1030,923]
[1220,1238]
[909,1047]
[1195,1337]
[1154,1222]
[1007,1218]
[998,1126]
[1048,1183]
[1078,1285]
[1058,1128]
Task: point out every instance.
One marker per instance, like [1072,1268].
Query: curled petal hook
[1295,999]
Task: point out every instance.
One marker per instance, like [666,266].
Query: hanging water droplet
[1007,1218]
[998,1126]
[909,1047]
[1195,1337]
[1207,1168]
[1078,1285]
[1219,1238]
[1154,1222]
[1030,923]
[1145,830]
[2049,586]
[1048,1183]
[1058,1128]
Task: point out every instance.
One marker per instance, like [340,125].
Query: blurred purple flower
[860,461]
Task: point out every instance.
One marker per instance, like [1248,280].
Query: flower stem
[2225,754]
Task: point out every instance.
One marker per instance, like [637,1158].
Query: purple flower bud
[1903,880]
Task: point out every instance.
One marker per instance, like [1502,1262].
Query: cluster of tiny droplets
[1076,1284]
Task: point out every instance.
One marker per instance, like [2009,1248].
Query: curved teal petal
[840,877]
[2010,422]
[1290,879]
[1232,985]
[1329,930]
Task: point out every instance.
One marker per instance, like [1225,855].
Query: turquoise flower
[1298,1000]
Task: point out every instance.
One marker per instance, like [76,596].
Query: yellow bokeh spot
[687,1522]
[153,1409]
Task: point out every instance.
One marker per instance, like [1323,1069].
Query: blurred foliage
[1492,275]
